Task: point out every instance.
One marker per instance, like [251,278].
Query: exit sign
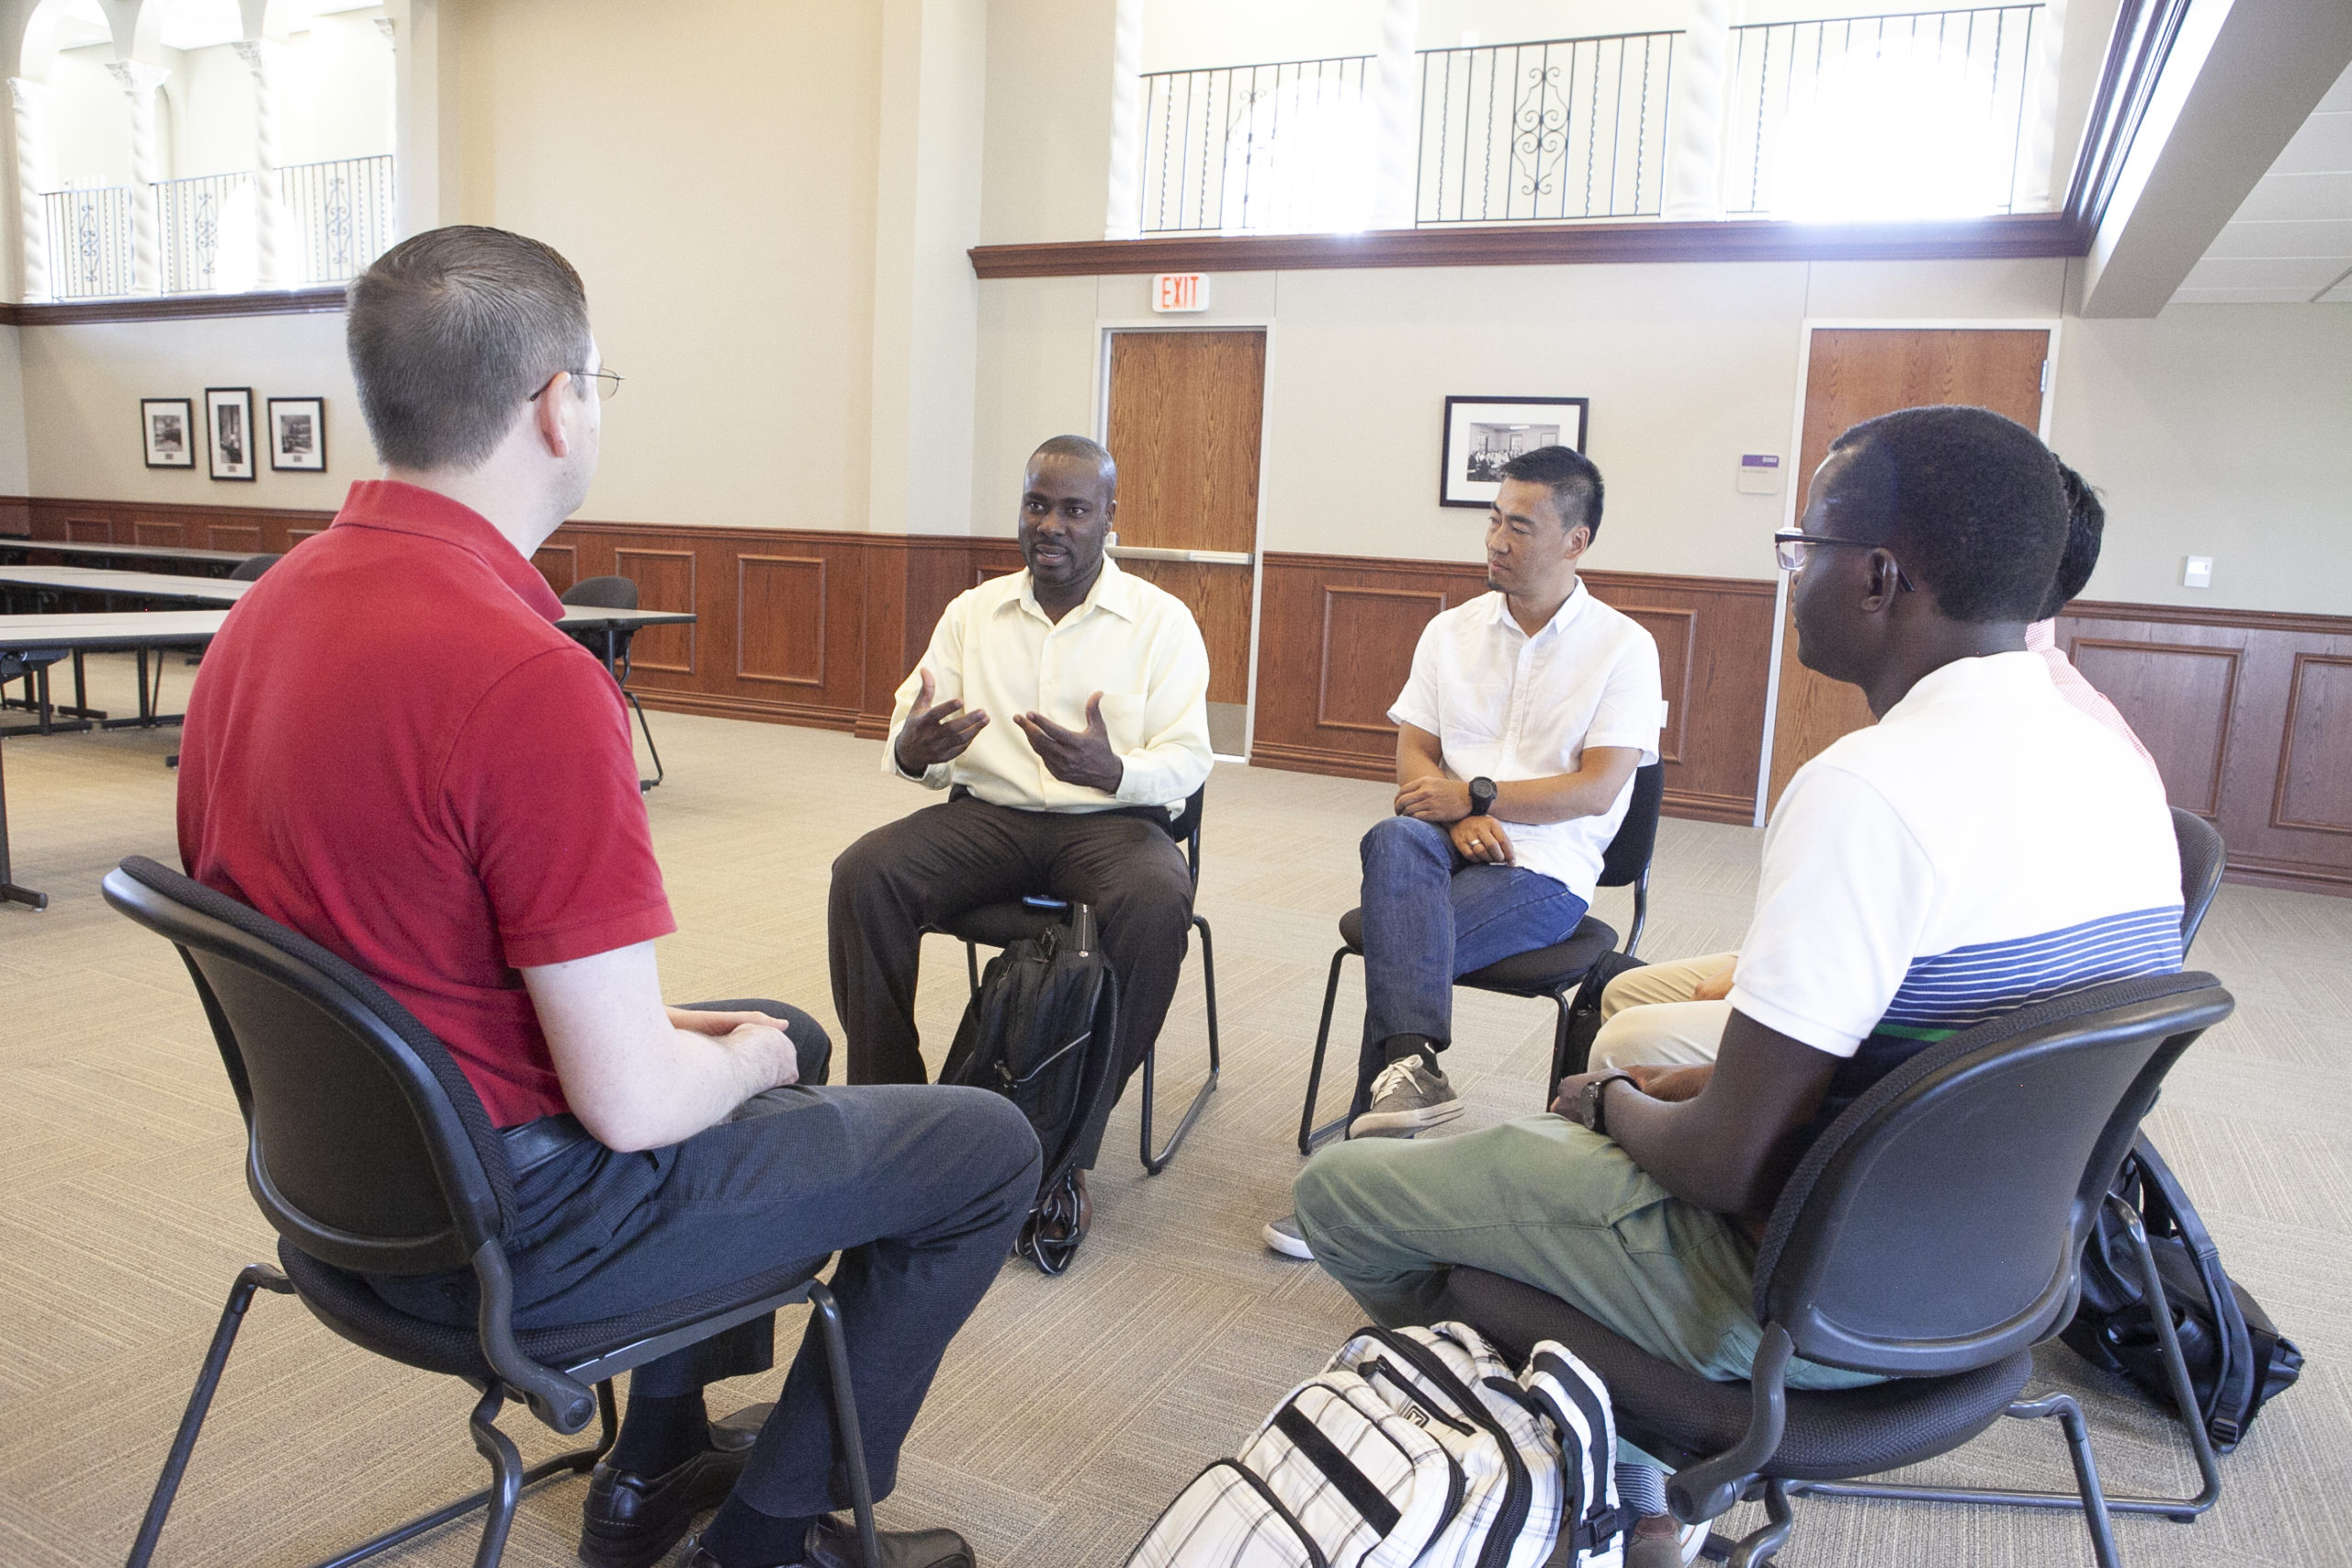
[1173,291]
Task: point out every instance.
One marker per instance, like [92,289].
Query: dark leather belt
[536,1143]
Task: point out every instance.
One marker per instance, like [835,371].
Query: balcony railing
[1576,129]
[1931,100]
[338,218]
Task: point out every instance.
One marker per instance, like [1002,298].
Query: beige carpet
[1070,1409]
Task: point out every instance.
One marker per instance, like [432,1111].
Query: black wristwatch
[1482,796]
[1592,1110]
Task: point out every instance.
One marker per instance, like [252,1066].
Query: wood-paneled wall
[2249,715]
[1340,630]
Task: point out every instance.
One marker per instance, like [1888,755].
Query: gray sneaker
[1285,1237]
[1408,1097]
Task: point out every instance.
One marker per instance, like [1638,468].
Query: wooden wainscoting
[1336,637]
[256,529]
[2249,716]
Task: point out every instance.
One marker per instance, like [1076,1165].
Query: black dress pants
[947,860]
[918,1190]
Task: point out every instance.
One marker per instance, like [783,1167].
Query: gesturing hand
[1081,757]
[936,735]
[1481,839]
[1434,798]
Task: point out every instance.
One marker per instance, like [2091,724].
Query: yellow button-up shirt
[1132,641]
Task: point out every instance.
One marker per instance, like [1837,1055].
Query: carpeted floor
[1070,1409]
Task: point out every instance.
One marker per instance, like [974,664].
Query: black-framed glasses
[1789,546]
[608,384]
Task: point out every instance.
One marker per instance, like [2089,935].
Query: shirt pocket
[1124,716]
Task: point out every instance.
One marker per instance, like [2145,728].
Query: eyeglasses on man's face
[1790,545]
[608,384]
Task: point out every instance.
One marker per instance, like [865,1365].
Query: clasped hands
[941,732]
[1445,802]
[1664,1083]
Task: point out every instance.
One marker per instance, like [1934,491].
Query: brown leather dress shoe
[632,1520]
[833,1543]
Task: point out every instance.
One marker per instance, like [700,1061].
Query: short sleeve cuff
[564,944]
[1805,1031]
[1644,742]
[1419,719]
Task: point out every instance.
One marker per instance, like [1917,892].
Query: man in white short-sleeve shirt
[1519,731]
[1982,847]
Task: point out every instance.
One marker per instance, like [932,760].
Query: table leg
[9,892]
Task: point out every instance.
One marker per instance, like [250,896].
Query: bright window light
[1297,161]
[1897,128]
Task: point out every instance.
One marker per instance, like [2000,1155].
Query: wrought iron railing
[337,217]
[1539,133]
[200,219]
[1936,98]
[343,211]
[89,241]
[1577,127]
[1253,148]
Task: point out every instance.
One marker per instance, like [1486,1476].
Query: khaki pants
[1648,1016]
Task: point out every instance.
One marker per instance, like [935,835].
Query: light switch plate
[2197,571]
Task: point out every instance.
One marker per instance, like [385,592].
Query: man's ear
[1111,509]
[1579,540]
[1886,581]
[548,409]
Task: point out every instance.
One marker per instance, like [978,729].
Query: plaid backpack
[1414,1446]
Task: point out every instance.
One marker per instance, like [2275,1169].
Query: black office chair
[614,594]
[1554,972]
[369,1153]
[250,569]
[2203,857]
[1933,1233]
[1001,925]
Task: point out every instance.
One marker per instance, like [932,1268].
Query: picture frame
[229,432]
[167,432]
[1483,434]
[298,436]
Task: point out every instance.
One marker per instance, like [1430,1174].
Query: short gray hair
[450,332]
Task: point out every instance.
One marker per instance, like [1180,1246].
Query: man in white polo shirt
[1983,847]
[1673,1014]
[1519,731]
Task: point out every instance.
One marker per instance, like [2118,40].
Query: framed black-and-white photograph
[167,427]
[298,436]
[229,427]
[1483,434]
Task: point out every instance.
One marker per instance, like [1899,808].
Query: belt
[537,1141]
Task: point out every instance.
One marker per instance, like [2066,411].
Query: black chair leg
[644,784]
[1759,1547]
[506,1476]
[829,1320]
[1309,1134]
[253,1277]
[1561,1066]
[1153,1164]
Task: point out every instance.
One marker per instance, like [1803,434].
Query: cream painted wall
[714,183]
[15,474]
[1045,170]
[2225,429]
[81,410]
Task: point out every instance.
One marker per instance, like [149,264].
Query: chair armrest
[562,1403]
[1707,1489]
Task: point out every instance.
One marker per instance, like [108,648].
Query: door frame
[2054,325]
[1104,328]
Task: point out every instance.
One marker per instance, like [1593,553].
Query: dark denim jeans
[1429,915]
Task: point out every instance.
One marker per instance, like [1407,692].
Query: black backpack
[2237,1358]
[1043,1032]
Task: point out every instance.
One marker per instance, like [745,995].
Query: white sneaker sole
[1287,1245]
[1403,1124]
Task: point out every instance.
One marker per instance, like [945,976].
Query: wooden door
[1858,373]
[1185,413]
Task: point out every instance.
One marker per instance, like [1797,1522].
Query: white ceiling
[2290,240]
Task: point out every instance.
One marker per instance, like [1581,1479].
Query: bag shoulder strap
[2233,1379]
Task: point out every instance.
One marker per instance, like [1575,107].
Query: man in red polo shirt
[392,750]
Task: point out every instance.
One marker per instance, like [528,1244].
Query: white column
[31,100]
[2037,176]
[139,81]
[392,37]
[272,270]
[1396,115]
[1122,216]
[1695,115]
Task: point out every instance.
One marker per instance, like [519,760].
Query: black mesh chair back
[2203,857]
[367,1149]
[250,569]
[1627,859]
[1938,1224]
